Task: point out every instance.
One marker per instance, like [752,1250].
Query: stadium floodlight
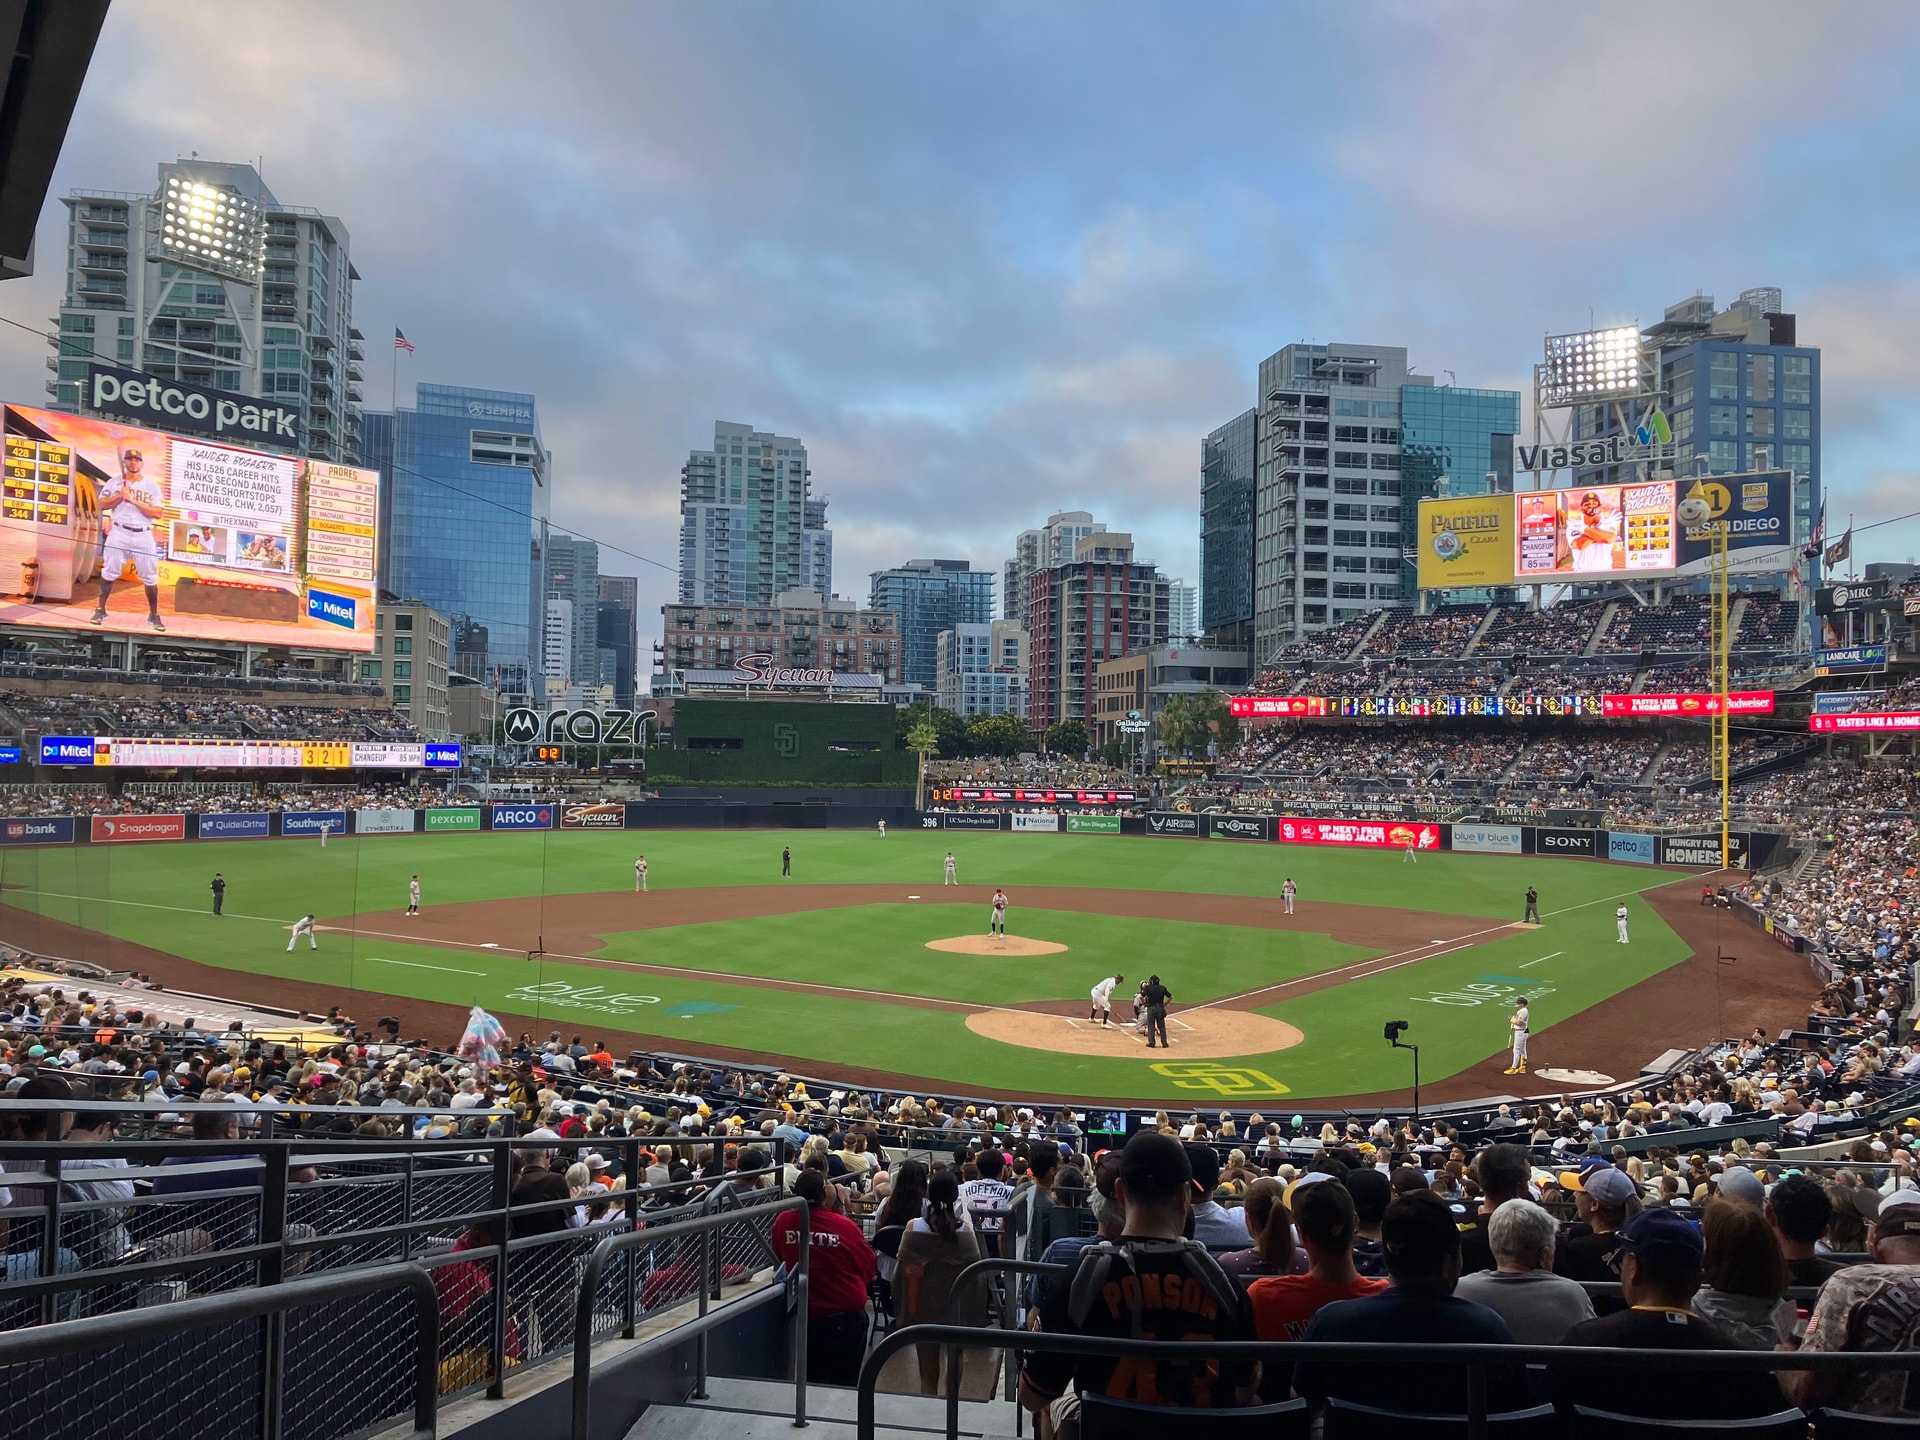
[1592,365]
[210,228]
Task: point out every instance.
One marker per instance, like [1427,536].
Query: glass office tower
[1461,435]
[465,483]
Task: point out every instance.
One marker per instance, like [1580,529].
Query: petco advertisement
[112,829]
[383,822]
[235,827]
[522,817]
[1487,839]
[593,817]
[1375,834]
[1025,823]
[1633,848]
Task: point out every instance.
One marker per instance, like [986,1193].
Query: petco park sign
[129,395]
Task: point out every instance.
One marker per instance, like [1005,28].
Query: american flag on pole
[400,341]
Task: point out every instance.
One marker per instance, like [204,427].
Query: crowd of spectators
[93,714]
[1041,772]
[218,798]
[1859,902]
[1442,632]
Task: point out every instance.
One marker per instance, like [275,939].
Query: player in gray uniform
[129,509]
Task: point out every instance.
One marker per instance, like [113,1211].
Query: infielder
[1103,999]
[129,509]
[303,926]
[953,873]
[1287,892]
[998,924]
[413,896]
[640,875]
[1518,1020]
[1620,922]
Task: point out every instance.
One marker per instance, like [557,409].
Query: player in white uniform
[1103,999]
[413,896]
[998,924]
[883,829]
[1589,537]
[1287,892]
[1518,1021]
[1620,922]
[1410,858]
[640,874]
[953,874]
[303,926]
[129,509]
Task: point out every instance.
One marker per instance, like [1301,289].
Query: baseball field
[863,965]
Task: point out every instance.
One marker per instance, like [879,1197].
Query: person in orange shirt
[1284,1304]
[601,1058]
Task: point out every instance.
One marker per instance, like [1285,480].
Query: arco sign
[523,726]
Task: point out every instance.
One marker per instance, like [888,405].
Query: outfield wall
[1691,849]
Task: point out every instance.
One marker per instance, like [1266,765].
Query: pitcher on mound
[998,924]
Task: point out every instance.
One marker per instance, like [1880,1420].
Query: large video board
[216,541]
[1594,530]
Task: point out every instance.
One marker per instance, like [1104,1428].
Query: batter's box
[1222,1080]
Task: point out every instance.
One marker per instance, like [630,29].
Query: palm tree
[924,740]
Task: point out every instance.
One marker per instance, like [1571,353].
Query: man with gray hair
[1538,1305]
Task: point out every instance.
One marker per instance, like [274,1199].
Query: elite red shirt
[841,1265]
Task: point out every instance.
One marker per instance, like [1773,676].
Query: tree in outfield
[1067,737]
[1189,723]
[997,735]
[922,738]
[949,728]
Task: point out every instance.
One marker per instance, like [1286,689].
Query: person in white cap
[1620,921]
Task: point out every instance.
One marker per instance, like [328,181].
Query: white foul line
[1544,958]
[416,965]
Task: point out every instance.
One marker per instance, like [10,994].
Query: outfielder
[1410,857]
[413,896]
[1518,1020]
[883,829]
[1287,892]
[640,874]
[953,873]
[303,926]
[1620,922]
[129,509]
[1103,999]
[998,924]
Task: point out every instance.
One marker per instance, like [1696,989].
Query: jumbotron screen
[115,528]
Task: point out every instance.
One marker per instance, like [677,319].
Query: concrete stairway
[762,1409]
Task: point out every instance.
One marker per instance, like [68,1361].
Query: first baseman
[1103,999]
[640,873]
[129,509]
[1287,892]
[303,926]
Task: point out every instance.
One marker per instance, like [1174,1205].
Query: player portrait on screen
[1596,531]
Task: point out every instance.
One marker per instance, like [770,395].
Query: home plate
[913,897]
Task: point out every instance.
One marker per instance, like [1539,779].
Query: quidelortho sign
[1240,827]
[169,405]
[1579,843]
[257,825]
[1173,822]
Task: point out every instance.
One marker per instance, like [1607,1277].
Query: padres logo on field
[1220,1079]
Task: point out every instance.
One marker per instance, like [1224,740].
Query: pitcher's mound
[995,945]
[1195,1034]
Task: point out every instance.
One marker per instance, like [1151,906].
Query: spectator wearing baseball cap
[1659,1255]
[1868,1307]
[1603,1197]
[1422,1243]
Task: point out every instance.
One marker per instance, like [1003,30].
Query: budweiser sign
[760,670]
[1739,702]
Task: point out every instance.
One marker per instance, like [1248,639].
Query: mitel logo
[66,750]
[334,609]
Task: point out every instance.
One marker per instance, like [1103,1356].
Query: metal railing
[705,1230]
[62,1342]
[1477,1359]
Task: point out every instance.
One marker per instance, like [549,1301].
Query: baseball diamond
[837,970]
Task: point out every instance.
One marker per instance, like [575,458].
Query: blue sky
[997,260]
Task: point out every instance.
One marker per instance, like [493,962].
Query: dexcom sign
[521,817]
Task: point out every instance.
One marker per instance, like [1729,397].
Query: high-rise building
[1740,392]
[930,596]
[556,652]
[800,630]
[1100,605]
[1333,496]
[412,650]
[749,527]
[573,575]
[619,634]
[983,669]
[212,281]
[1052,544]
[1456,441]
[1226,531]
[1183,610]
[464,485]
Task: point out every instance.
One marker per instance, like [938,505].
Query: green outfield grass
[156,895]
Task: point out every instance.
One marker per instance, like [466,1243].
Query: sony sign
[583,727]
[1616,450]
[170,405]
